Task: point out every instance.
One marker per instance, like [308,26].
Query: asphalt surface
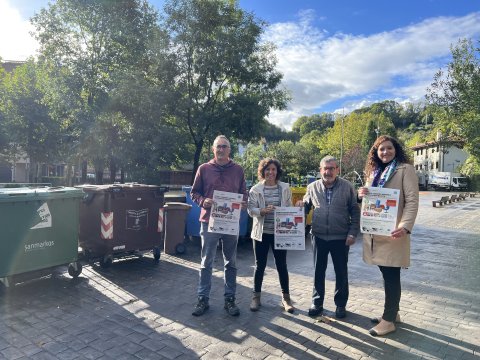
[137,309]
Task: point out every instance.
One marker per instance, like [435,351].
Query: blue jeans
[209,250]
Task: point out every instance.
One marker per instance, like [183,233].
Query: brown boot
[287,303]
[255,304]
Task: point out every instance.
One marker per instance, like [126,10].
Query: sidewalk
[139,310]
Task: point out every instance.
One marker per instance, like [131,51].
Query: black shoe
[315,310]
[230,306]
[201,306]
[340,313]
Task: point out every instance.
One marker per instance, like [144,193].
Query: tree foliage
[306,124]
[225,79]
[31,130]
[86,45]
[455,93]
[351,132]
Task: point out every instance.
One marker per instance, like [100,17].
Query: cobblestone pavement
[139,310]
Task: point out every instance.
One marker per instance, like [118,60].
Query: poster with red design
[379,211]
[289,227]
[225,213]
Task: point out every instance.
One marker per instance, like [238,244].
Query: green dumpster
[39,230]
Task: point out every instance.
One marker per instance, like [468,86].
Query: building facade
[431,157]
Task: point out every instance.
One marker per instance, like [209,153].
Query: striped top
[271,195]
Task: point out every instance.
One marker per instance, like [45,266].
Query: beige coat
[384,250]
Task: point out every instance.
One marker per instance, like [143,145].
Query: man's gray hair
[220,137]
[328,159]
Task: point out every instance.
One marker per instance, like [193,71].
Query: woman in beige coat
[388,166]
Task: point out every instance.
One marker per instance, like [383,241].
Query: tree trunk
[196,159]
[84,172]
[99,169]
[113,170]
[69,177]
[122,175]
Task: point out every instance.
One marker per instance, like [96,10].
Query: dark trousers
[339,253]
[393,291]
[260,250]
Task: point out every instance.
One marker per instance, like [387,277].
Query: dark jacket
[211,176]
[337,220]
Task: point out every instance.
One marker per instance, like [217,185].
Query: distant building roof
[430,144]
[10,65]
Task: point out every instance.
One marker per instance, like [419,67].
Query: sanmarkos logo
[39,246]
[45,216]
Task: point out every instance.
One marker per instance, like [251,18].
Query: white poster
[289,228]
[225,213]
[45,217]
[379,211]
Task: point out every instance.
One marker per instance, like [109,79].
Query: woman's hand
[299,203]
[398,233]
[266,210]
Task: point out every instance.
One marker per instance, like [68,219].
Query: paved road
[139,310]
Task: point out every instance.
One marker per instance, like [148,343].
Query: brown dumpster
[175,222]
[119,220]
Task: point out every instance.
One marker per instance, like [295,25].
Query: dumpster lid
[134,187]
[45,193]
[177,205]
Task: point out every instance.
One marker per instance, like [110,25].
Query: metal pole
[341,143]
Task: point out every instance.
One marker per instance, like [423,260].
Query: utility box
[39,230]
[121,219]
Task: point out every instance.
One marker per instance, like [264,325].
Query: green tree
[88,43]
[350,132]
[285,151]
[455,93]
[27,122]
[273,133]
[306,124]
[3,131]
[225,78]
[369,135]
[249,160]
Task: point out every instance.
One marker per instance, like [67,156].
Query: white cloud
[15,41]
[400,64]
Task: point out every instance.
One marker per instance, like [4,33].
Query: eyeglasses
[331,168]
[222,147]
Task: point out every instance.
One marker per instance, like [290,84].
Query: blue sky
[335,55]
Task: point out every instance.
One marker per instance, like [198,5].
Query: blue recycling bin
[193,225]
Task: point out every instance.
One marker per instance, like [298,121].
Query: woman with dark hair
[262,200]
[389,166]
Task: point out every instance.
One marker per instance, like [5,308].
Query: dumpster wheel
[74,269]
[180,248]
[106,261]
[156,254]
